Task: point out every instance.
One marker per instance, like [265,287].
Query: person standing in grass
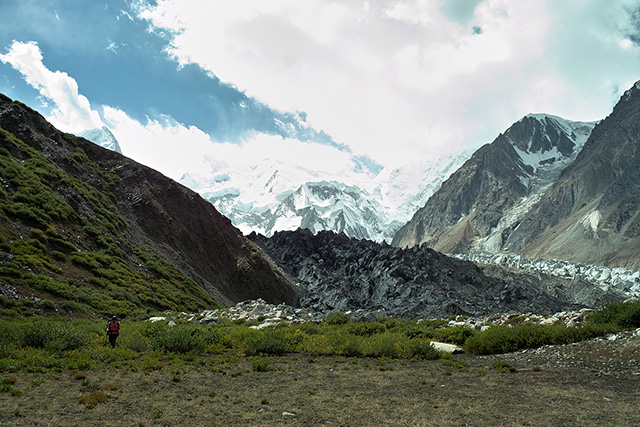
[113,330]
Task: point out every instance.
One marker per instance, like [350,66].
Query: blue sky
[196,85]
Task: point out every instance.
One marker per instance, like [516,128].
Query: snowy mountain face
[403,190]
[591,214]
[496,187]
[102,137]
[273,196]
[549,145]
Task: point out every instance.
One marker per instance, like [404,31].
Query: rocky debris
[570,319]
[271,315]
[335,272]
[10,292]
[250,311]
[620,279]
[615,354]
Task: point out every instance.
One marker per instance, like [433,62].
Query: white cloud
[163,144]
[175,149]
[626,43]
[72,111]
[400,79]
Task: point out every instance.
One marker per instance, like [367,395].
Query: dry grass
[326,391]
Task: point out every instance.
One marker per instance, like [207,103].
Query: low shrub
[264,342]
[365,329]
[178,339]
[337,318]
[383,345]
[504,339]
[261,365]
[92,399]
[420,349]
[625,315]
[455,335]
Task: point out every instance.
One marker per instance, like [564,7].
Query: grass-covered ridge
[62,243]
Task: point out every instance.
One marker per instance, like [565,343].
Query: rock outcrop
[335,272]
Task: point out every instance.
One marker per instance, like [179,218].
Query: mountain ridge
[81,223]
[470,210]
[595,206]
[583,209]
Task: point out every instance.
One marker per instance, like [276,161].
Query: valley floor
[334,391]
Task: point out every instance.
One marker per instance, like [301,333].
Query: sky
[199,85]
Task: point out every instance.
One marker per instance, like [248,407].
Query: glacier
[275,196]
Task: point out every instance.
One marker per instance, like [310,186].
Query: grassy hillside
[62,246]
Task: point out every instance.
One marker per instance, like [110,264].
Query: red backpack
[113,327]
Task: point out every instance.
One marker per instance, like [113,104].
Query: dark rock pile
[335,272]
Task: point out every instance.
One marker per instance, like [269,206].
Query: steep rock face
[340,273]
[592,213]
[496,186]
[160,215]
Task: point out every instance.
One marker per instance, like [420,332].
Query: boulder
[448,348]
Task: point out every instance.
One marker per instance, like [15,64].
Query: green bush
[348,345]
[52,334]
[178,339]
[264,342]
[337,318]
[383,345]
[46,304]
[261,365]
[455,335]
[625,315]
[420,349]
[365,329]
[504,339]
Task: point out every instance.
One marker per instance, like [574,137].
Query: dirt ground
[331,391]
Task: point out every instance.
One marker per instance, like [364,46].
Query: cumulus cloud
[72,111]
[162,143]
[400,79]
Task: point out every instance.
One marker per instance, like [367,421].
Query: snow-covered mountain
[274,196]
[497,186]
[405,189]
[102,137]
[554,145]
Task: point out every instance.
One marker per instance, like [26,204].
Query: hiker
[113,329]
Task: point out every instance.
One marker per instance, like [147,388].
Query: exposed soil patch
[332,391]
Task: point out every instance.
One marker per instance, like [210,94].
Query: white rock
[448,348]
[549,321]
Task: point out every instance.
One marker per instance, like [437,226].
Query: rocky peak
[591,213]
[496,186]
